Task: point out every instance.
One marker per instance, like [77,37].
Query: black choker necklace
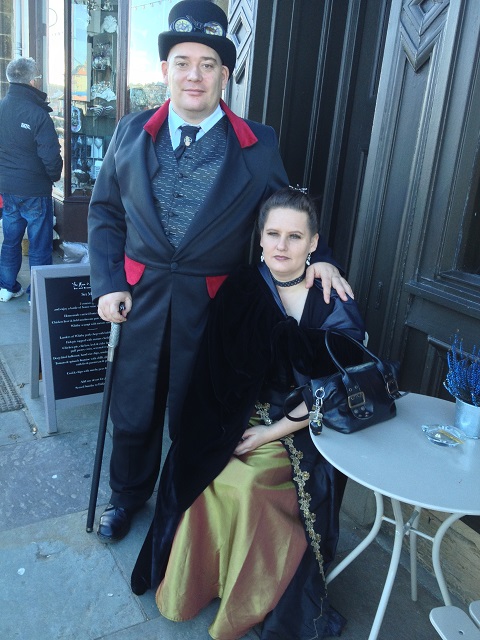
[290,283]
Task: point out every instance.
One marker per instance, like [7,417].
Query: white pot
[467,418]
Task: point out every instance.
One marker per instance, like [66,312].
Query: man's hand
[109,306]
[330,277]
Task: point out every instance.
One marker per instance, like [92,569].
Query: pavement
[58,582]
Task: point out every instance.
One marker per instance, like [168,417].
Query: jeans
[35,215]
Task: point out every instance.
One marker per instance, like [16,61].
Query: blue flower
[463,377]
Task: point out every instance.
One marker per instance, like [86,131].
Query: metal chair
[474,610]
[452,623]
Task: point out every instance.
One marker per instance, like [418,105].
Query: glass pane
[55,81]
[145,89]
[470,253]
[94,86]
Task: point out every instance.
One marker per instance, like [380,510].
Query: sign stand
[69,341]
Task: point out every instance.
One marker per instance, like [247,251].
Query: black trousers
[136,457]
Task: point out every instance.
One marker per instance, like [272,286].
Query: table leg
[437,541]
[413,552]
[364,544]
[400,531]
[392,570]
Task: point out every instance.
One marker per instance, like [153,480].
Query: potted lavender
[463,382]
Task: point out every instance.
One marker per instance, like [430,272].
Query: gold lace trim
[300,478]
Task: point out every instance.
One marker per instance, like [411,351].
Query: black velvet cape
[250,346]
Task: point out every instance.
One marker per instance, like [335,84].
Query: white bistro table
[396,460]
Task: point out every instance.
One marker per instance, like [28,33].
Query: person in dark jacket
[168,221]
[30,162]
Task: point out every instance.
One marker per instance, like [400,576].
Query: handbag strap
[356,397]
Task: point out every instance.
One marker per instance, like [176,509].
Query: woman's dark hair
[290,198]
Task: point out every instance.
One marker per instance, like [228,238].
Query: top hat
[198,21]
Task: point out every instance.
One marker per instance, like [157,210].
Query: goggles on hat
[189,24]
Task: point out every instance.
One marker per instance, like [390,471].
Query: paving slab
[356,592]
[161,629]
[59,583]
[16,359]
[126,551]
[15,320]
[14,428]
[48,477]
[17,355]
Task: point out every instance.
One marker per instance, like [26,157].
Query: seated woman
[249,503]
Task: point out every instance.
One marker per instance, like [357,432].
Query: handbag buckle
[392,388]
[356,400]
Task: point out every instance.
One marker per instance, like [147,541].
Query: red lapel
[244,134]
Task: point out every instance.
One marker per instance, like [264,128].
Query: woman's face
[286,241]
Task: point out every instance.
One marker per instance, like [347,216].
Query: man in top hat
[171,215]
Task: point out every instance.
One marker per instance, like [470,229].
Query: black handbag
[354,398]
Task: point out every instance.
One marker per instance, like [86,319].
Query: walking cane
[102,428]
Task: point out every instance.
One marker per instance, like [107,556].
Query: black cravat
[188,137]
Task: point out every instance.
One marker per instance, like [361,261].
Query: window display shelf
[102,62]
[83,99]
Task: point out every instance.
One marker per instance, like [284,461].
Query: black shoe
[114,523]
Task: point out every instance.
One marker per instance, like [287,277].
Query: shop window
[55,81]
[82,87]
[469,256]
[145,87]
[93,88]
[464,254]
[460,254]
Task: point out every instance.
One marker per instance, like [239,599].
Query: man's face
[196,78]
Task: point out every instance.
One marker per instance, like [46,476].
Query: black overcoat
[129,251]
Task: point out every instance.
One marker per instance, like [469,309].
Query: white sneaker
[6,295]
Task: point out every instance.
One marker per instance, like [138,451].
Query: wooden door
[310,69]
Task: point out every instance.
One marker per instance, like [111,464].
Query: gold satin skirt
[241,541]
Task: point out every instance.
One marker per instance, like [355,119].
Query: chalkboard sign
[78,338]
[69,336]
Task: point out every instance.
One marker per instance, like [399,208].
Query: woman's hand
[330,277]
[253,438]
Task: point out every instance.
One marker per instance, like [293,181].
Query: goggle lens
[189,24]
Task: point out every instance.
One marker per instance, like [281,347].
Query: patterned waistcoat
[181,186]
